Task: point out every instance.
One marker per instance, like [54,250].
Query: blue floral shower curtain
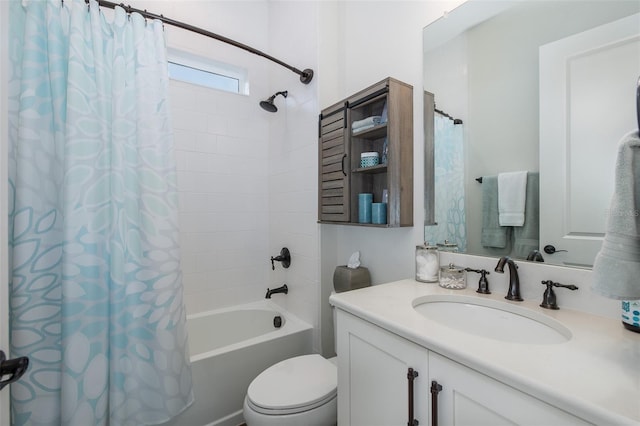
[96,290]
[449,184]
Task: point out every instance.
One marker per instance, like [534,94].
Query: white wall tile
[222,195]
[292,158]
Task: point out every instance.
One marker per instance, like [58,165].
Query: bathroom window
[194,69]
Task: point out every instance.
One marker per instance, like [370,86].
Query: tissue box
[345,278]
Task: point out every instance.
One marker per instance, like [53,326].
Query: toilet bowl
[297,391]
[301,390]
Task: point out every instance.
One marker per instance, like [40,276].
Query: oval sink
[492,319]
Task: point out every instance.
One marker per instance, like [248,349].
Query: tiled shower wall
[222,143]
[221,151]
[247,178]
[293,158]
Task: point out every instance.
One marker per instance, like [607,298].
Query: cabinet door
[333,193]
[373,382]
[470,398]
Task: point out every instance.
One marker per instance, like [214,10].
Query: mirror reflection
[540,89]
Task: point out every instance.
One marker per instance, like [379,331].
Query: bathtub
[229,347]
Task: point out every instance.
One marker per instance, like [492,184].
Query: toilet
[302,390]
[297,391]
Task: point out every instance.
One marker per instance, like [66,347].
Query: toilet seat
[294,385]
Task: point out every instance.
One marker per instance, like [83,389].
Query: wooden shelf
[380,168]
[377,132]
[368,225]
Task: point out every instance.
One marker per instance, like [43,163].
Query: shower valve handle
[284,257]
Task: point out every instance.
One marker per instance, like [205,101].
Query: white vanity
[516,363]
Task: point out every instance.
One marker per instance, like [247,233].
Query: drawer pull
[411,376]
[435,390]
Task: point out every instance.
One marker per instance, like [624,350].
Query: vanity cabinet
[373,388]
[376,372]
[341,143]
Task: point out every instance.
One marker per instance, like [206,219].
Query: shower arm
[305,76]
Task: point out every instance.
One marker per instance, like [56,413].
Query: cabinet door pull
[342,164]
[411,375]
[435,390]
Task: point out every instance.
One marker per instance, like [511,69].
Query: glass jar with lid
[427,263]
[448,246]
[453,277]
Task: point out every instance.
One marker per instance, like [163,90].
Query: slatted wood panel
[333,191]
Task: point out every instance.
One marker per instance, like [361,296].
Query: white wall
[384,39]
[377,39]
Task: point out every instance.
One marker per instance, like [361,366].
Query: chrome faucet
[514,281]
[284,289]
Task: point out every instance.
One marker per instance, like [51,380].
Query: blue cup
[379,213]
[364,207]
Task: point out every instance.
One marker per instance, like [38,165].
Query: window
[190,68]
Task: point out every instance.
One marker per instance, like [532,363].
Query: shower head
[268,105]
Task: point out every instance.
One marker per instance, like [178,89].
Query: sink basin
[492,319]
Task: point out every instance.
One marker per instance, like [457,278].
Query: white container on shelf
[369,159]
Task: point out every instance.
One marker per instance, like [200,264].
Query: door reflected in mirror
[542,87]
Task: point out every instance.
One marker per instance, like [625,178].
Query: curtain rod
[305,76]
[455,120]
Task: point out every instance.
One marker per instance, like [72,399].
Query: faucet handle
[483,283]
[549,298]
[284,257]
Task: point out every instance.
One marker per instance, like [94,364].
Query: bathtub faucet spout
[284,289]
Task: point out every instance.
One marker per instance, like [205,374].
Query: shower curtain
[449,184]
[96,290]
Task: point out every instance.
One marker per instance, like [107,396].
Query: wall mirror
[539,86]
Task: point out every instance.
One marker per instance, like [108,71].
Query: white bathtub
[229,348]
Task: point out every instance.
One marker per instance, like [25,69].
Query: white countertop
[595,375]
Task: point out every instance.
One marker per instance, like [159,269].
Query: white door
[587,104]
[468,397]
[376,370]
[4,260]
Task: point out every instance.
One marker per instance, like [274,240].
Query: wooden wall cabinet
[341,178]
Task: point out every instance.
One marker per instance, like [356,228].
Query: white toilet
[302,390]
[297,391]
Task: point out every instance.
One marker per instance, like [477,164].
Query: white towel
[617,265]
[512,194]
[368,122]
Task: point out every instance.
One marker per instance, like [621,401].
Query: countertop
[595,375]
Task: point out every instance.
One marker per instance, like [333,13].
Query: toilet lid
[294,385]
